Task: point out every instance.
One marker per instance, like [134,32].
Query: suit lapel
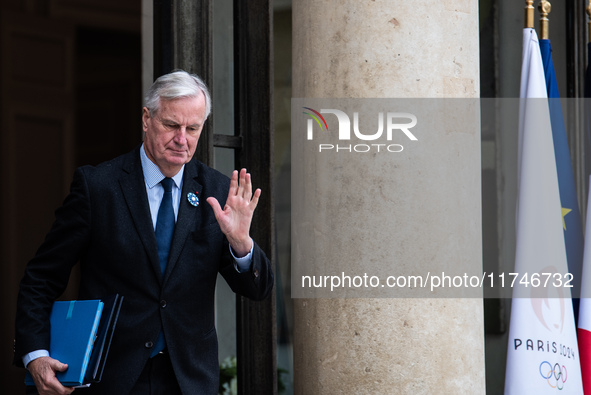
[134,190]
[188,215]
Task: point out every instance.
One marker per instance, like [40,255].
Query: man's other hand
[43,371]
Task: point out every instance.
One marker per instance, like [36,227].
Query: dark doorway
[70,94]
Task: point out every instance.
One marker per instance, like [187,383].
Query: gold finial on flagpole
[529,14]
[544,7]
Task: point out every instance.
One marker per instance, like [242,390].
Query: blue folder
[74,325]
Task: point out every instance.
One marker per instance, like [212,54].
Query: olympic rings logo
[556,376]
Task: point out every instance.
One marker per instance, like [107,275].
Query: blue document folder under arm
[74,326]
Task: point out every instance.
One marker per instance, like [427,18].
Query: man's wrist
[241,248]
[33,355]
[242,264]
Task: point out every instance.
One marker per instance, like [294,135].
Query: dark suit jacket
[105,224]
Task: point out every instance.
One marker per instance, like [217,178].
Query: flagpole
[529,14]
[589,20]
[544,7]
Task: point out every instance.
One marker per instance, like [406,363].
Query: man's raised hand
[235,218]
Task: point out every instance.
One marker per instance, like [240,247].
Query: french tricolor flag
[584,329]
[584,324]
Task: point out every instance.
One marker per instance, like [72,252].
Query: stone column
[395,49]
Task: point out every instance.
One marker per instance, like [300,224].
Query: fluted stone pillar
[401,49]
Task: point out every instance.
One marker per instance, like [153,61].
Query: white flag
[542,356]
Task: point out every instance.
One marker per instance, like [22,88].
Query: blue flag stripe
[573,234]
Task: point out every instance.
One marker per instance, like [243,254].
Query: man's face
[172,132]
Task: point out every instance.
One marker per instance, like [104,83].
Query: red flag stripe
[584,338]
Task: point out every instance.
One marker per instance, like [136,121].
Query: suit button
[163,303]
[149,344]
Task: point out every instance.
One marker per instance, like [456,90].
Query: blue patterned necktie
[165,224]
[164,229]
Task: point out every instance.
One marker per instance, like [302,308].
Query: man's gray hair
[176,85]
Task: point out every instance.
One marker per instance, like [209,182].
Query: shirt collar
[152,173]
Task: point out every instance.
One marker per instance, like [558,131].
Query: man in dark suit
[165,340]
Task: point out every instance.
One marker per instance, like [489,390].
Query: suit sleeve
[46,275]
[257,282]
